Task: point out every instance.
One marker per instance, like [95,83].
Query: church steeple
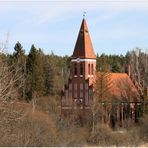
[79,91]
[83,48]
[83,60]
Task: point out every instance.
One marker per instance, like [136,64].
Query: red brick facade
[78,93]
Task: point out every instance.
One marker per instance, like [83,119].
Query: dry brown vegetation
[21,125]
[105,136]
[143,129]
[38,123]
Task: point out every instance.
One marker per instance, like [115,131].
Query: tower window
[81,69]
[75,70]
[89,69]
[92,69]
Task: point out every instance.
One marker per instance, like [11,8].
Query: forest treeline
[38,78]
[45,74]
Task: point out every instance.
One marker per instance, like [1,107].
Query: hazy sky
[115,26]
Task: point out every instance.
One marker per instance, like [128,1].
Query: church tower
[83,60]
[78,93]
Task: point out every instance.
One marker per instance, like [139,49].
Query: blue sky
[116,26]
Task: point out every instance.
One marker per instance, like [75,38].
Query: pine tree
[116,66]
[102,63]
[48,76]
[35,73]
[18,50]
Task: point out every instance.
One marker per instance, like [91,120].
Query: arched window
[89,69]
[92,69]
[75,70]
[81,69]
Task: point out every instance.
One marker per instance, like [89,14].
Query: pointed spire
[83,47]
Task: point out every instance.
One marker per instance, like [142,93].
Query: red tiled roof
[120,86]
[83,47]
[123,87]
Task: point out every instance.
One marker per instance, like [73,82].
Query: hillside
[24,125]
[30,89]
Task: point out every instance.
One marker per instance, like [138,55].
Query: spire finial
[84,13]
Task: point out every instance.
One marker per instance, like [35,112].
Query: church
[78,94]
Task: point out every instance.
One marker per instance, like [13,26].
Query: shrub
[37,129]
[101,136]
[69,134]
[19,126]
[143,130]
[105,136]
[48,104]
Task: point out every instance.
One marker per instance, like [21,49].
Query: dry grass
[143,128]
[48,104]
[105,136]
[69,134]
[37,129]
[20,125]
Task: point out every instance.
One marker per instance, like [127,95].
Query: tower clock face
[78,60]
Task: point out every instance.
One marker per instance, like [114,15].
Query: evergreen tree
[116,66]
[18,50]
[35,73]
[56,74]
[102,63]
[48,76]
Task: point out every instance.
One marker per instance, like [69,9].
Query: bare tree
[8,77]
[8,94]
[102,94]
[139,68]
[126,90]
[9,113]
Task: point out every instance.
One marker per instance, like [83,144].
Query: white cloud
[46,11]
